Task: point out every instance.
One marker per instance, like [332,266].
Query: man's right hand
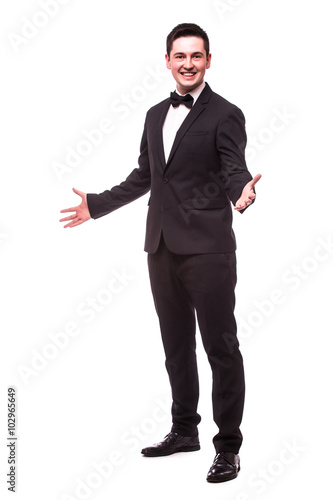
[81,211]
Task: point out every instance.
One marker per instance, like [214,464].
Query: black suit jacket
[191,192]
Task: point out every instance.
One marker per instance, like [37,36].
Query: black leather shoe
[226,466]
[172,443]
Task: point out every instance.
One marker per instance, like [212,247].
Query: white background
[105,394]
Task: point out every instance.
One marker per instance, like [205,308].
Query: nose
[188,63]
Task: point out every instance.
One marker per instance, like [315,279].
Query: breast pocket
[197,133]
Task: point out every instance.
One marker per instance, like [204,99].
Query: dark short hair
[186,29]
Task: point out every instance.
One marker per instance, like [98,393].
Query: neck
[183,91]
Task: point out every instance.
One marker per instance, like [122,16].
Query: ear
[209,58]
[167,60]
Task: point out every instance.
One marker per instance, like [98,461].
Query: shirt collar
[196,92]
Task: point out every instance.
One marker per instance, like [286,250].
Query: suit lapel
[159,130]
[195,112]
[191,117]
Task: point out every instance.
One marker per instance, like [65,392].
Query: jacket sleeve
[135,185]
[231,142]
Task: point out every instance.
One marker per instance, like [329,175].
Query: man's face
[188,62]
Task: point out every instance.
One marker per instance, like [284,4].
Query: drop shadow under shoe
[172,443]
[225,467]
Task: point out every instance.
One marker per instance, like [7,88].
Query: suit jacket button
[165,180]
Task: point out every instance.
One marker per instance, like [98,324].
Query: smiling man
[192,162]
[188,61]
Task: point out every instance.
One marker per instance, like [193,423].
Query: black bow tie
[177,99]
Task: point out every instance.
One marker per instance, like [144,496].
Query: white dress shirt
[175,118]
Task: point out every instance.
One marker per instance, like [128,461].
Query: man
[192,161]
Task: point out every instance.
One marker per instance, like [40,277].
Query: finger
[73,209]
[74,224]
[70,224]
[243,205]
[71,217]
[246,202]
[250,198]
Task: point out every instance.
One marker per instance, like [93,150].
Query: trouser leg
[177,323]
[182,284]
[210,280]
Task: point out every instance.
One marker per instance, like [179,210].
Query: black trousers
[202,285]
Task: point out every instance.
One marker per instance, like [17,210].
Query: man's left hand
[248,194]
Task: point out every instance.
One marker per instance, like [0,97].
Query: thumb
[255,179]
[79,193]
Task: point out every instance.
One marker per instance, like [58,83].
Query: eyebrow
[183,53]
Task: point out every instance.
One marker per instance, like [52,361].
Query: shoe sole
[185,449]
